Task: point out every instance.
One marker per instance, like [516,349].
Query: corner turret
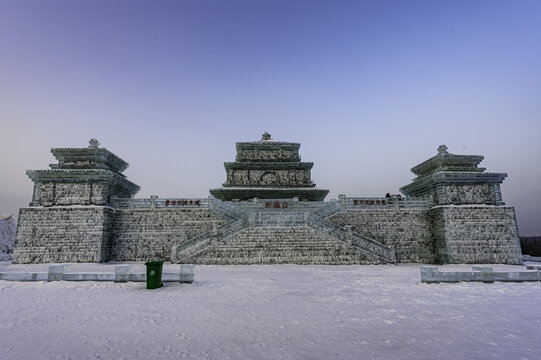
[455,179]
[82,176]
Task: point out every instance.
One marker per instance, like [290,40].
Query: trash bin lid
[158,262]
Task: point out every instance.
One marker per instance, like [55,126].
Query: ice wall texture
[460,218]
[408,230]
[64,234]
[148,234]
[475,235]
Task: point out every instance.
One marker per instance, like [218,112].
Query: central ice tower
[268,169]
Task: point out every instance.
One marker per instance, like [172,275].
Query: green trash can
[154,274]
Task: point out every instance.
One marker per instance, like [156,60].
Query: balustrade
[388,202]
[154,202]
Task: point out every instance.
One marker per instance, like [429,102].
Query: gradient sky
[369,88]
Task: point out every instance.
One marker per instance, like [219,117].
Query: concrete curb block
[531,258]
[24,276]
[122,274]
[431,274]
[56,272]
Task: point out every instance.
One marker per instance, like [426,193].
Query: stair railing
[329,209]
[364,243]
[207,239]
[225,209]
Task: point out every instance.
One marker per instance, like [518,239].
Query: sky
[369,88]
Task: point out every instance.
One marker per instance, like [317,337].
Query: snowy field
[272,312]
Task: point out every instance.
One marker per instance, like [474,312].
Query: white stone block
[88,277]
[56,271]
[429,274]
[517,276]
[186,273]
[482,268]
[24,276]
[121,273]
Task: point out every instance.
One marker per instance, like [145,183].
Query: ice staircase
[288,236]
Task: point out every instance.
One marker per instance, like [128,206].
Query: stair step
[304,260]
[282,245]
[289,242]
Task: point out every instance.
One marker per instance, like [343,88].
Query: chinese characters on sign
[276,205]
[369,202]
[182,202]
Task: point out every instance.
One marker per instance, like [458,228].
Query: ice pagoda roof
[445,161]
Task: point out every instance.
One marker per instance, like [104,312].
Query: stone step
[248,244]
[304,260]
[267,252]
[282,245]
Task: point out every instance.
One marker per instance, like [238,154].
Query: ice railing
[363,243]
[225,209]
[387,202]
[158,203]
[328,209]
[200,243]
[263,219]
[307,218]
[238,222]
[273,205]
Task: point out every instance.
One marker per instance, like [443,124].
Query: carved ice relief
[269,178]
[255,176]
[286,154]
[240,176]
[266,177]
[265,155]
[246,155]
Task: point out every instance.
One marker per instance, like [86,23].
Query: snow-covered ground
[272,312]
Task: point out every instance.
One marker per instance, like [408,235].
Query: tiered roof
[92,157]
[449,169]
[446,161]
[268,169]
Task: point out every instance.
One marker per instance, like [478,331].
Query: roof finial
[442,150]
[94,143]
[266,136]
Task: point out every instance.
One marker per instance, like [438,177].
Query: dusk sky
[369,89]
